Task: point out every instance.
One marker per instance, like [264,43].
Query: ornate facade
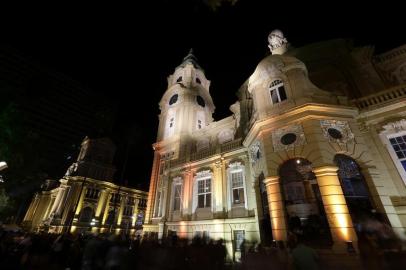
[316,139]
[85,199]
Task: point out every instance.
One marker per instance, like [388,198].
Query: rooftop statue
[277,42]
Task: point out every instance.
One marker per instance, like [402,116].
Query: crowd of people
[378,246]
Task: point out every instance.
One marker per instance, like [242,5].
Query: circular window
[335,133]
[288,138]
[200,101]
[173,99]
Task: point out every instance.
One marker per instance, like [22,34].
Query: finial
[278,44]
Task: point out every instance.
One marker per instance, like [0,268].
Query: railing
[203,154]
[208,152]
[176,162]
[380,98]
[228,146]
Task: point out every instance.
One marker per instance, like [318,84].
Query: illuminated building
[85,199]
[317,139]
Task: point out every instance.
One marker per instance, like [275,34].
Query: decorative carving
[277,42]
[203,174]
[279,133]
[177,180]
[255,152]
[396,126]
[337,131]
[72,169]
[235,164]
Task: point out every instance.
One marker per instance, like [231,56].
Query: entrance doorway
[354,188]
[304,207]
[264,217]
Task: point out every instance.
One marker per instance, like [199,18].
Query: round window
[173,99]
[335,133]
[200,101]
[288,138]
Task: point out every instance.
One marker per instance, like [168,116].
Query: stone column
[218,187]
[276,208]
[187,193]
[80,203]
[58,200]
[62,201]
[335,206]
[152,188]
[102,201]
[31,209]
[121,209]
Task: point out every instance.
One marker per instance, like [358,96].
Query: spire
[190,58]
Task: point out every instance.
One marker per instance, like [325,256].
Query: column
[335,206]
[152,188]
[276,208]
[62,201]
[58,200]
[80,203]
[121,208]
[218,188]
[187,192]
[100,204]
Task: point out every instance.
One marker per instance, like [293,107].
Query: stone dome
[273,66]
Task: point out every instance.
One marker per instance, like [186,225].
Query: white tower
[186,106]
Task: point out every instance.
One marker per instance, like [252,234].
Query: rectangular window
[278,94]
[204,193]
[399,146]
[239,240]
[177,197]
[237,185]
[158,204]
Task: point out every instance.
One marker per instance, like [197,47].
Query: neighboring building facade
[85,199]
[293,156]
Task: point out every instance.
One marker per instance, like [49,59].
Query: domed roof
[273,66]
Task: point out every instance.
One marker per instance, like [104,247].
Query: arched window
[277,91]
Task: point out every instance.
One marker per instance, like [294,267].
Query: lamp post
[3,166]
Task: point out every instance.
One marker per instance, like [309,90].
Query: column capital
[325,170]
[271,180]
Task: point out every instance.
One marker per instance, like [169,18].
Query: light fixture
[298,161]
[3,165]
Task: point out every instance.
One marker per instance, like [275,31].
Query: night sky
[127,51]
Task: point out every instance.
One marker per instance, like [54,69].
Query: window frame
[395,158]
[236,167]
[276,85]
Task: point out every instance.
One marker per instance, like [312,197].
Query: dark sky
[126,51]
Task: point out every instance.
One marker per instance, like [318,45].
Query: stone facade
[333,110]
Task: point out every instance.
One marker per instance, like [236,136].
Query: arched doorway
[304,207]
[354,187]
[86,215]
[264,217]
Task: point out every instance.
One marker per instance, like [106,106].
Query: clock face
[200,101]
[173,99]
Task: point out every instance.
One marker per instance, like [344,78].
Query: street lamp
[3,165]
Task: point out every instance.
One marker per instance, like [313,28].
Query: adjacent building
[316,144]
[85,199]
